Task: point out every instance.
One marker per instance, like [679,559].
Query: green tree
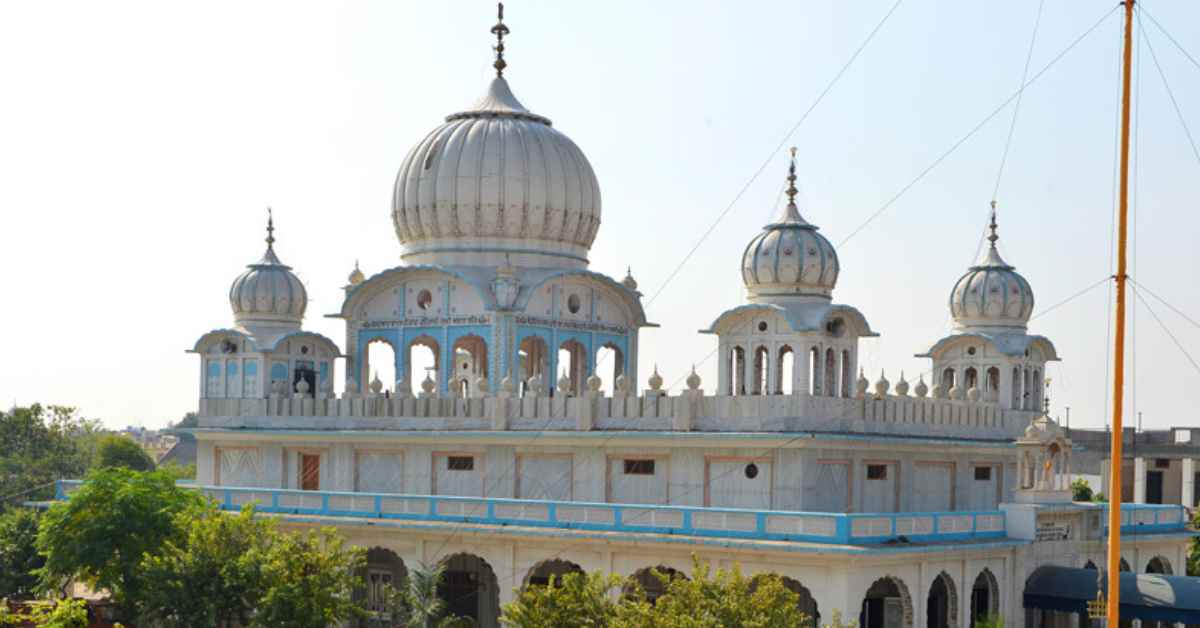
[309,581]
[577,599]
[114,450]
[726,599]
[52,614]
[1081,490]
[1193,560]
[100,534]
[209,575]
[38,445]
[191,419]
[19,558]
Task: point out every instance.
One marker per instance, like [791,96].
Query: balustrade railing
[809,527]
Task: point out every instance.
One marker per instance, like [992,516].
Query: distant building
[1157,466]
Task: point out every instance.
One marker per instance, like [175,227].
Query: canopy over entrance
[1143,596]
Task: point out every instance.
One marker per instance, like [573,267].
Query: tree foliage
[575,599]
[724,599]
[19,558]
[309,581]
[101,533]
[41,444]
[114,450]
[49,614]
[1193,559]
[207,576]
[1081,491]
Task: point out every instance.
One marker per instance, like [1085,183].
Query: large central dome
[496,180]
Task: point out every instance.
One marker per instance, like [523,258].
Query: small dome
[268,291]
[629,281]
[356,276]
[790,258]
[992,294]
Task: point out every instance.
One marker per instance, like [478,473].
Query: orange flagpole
[1113,615]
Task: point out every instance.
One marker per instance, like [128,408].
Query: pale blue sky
[141,141]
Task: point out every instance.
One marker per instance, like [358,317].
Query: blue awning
[1143,596]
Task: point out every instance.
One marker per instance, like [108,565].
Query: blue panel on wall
[252,367]
[214,369]
[279,371]
[231,368]
[324,372]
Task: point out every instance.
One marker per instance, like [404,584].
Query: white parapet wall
[690,411]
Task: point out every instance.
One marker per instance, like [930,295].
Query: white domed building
[930,504]
[991,355]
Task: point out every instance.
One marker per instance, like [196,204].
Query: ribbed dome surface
[790,258]
[991,294]
[497,178]
[268,292]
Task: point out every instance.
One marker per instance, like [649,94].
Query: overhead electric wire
[1166,330]
[976,128]
[1142,11]
[774,152]
[1169,306]
[1171,94]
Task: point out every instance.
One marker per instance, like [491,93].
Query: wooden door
[310,472]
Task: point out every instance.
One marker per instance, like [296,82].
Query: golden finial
[270,229]
[499,30]
[791,178]
[993,237]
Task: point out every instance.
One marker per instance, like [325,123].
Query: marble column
[1188,494]
[1139,480]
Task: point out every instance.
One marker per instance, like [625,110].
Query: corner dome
[496,179]
[268,293]
[992,295]
[790,259]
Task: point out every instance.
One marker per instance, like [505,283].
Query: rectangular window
[983,474]
[639,467]
[310,472]
[877,472]
[1162,463]
[460,463]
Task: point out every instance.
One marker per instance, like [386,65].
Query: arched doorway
[532,359]
[886,604]
[785,370]
[651,580]
[805,604]
[424,359]
[610,354]
[941,608]
[469,589]
[572,362]
[762,360]
[380,362]
[541,574]
[1124,566]
[737,371]
[985,596]
[384,570]
[1159,565]
[470,355]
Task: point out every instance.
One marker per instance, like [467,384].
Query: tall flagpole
[1113,615]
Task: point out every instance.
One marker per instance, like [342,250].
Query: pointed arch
[542,573]
[941,608]
[885,598]
[985,596]
[470,589]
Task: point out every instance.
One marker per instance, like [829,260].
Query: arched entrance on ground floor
[806,603]
[541,574]
[652,581]
[985,596]
[469,589]
[941,607]
[886,604]
[383,572]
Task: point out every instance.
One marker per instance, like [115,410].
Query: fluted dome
[790,258]
[268,292]
[496,179]
[992,294]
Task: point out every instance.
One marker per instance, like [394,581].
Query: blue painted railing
[812,527]
[1137,518]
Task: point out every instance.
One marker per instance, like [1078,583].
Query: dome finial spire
[992,237]
[791,178]
[499,30]
[270,230]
